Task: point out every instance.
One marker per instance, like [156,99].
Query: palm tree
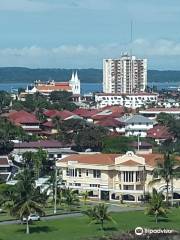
[70,198]
[156,206]
[39,159]
[85,196]
[24,208]
[166,171]
[99,213]
[28,198]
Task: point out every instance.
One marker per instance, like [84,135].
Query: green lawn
[78,228]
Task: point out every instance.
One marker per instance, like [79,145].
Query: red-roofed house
[113,176]
[108,112]
[112,124]
[63,115]
[26,120]
[159,133]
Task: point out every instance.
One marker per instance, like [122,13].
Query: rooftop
[109,159]
[136,119]
[20,117]
[161,110]
[41,144]
[159,132]
[4,161]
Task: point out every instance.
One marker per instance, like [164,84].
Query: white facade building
[136,125]
[113,176]
[129,100]
[124,75]
[75,84]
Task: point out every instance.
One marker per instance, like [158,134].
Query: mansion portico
[113,176]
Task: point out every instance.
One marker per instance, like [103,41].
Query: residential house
[26,120]
[152,113]
[5,168]
[159,133]
[136,125]
[54,148]
[113,176]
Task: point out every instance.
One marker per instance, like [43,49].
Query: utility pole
[138,143]
[55,190]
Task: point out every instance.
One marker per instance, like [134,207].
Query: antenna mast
[131,41]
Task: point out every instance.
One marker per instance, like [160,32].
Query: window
[128,176]
[72,172]
[80,172]
[77,184]
[67,172]
[96,174]
[137,176]
[95,185]
[51,155]
[87,172]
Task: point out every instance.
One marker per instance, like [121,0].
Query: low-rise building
[153,112]
[159,133]
[5,168]
[136,125]
[55,149]
[133,101]
[26,120]
[73,85]
[113,176]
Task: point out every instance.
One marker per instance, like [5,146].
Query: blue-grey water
[85,87]
[91,87]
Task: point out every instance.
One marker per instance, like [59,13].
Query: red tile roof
[109,122]
[4,161]
[85,113]
[58,86]
[50,113]
[104,159]
[109,159]
[109,111]
[41,144]
[22,117]
[62,114]
[48,124]
[159,132]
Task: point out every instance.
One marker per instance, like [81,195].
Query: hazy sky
[80,33]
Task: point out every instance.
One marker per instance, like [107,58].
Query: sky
[80,33]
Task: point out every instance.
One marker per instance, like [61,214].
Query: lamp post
[55,190]
[138,143]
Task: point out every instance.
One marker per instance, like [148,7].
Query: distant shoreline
[14,75]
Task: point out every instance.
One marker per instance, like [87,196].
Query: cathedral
[73,85]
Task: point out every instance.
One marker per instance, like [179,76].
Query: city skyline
[80,33]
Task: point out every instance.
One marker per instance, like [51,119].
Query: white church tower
[75,83]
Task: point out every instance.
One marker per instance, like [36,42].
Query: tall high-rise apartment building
[124,75]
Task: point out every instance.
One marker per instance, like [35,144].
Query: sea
[91,87]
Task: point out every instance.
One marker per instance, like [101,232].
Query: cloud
[87,56]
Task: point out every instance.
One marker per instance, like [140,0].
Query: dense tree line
[27,75]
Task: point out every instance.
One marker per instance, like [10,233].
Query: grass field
[78,228]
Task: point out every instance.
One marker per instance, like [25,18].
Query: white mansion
[113,176]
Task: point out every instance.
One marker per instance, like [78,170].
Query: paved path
[112,208]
